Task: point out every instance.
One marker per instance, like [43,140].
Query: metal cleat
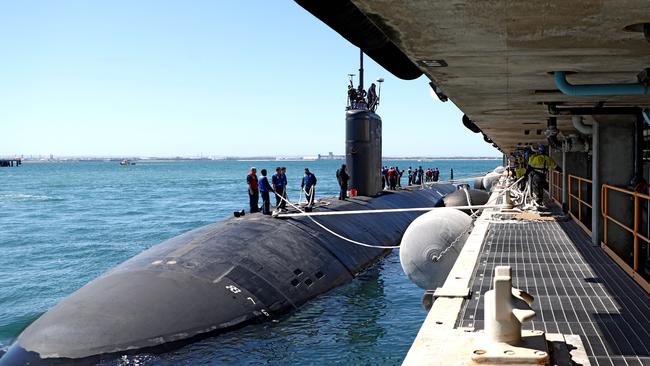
[507,201]
[506,308]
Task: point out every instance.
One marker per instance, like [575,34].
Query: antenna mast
[360,68]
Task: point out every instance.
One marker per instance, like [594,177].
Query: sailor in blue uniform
[279,186]
[265,189]
[343,178]
[284,182]
[309,186]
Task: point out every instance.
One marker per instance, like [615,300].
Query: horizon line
[230,157]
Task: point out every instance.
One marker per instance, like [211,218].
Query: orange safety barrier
[634,269]
[581,181]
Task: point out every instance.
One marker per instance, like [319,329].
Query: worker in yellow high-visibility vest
[520,169]
[538,166]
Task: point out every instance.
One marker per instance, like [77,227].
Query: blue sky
[163,78]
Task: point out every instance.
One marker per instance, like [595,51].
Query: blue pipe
[597,89]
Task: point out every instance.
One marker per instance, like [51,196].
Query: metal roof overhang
[500,53]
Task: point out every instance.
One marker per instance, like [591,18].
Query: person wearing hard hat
[538,165]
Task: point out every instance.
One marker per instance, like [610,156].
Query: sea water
[63,224]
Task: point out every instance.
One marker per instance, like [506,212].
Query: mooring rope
[337,234]
[452,180]
[469,199]
[478,208]
[383,210]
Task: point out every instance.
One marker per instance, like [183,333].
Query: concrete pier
[587,306]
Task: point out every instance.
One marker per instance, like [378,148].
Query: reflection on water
[364,330]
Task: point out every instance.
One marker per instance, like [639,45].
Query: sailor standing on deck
[265,189]
[391,176]
[372,97]
[284,182]
[538,166]
[343,178]
[279,187]
[253,192]
[352,97]
[399,176]
[309,186]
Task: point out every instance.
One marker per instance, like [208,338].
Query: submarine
[231,273]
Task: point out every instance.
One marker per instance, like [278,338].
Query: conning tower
[363,151]
[363,140]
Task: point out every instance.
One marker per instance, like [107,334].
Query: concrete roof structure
[500,55]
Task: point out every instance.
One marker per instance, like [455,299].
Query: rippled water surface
[63,224]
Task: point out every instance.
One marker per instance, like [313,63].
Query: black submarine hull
[215,278]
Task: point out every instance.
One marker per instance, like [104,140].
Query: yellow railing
[556,184]
[635,231]
[579,198]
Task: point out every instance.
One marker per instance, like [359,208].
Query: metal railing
[635,231]
[556,185]
[582,204]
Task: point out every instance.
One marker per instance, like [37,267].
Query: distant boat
[126,162]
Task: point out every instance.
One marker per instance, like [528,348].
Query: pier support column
[576,163]
[613,163]
[595,186]
[565,178]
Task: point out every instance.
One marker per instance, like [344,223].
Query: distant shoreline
[261,158]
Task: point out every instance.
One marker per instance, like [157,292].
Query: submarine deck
[577,288]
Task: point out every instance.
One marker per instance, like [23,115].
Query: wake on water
[26,197]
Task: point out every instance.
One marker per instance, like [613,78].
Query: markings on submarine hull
[236,290]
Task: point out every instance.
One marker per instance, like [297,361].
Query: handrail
[635,230]
[578,198]
[556,183]
[634,269]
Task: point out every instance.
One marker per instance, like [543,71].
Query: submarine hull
[215,278]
